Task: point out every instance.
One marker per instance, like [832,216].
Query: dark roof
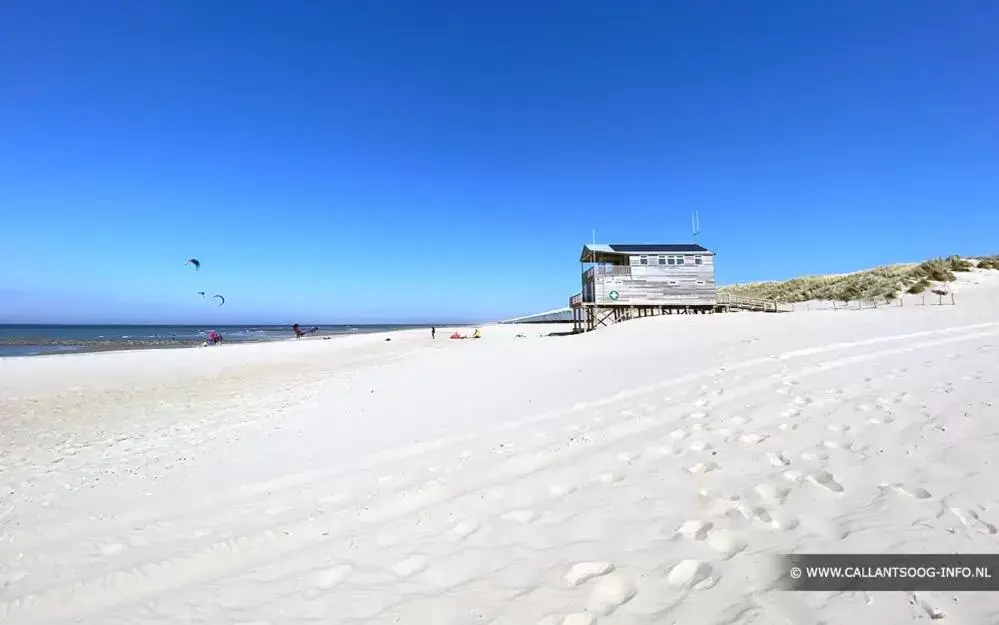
[656,248]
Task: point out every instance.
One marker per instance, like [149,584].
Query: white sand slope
[639,474]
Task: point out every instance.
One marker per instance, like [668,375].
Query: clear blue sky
[422,160]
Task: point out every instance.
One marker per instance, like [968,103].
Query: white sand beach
[642,473]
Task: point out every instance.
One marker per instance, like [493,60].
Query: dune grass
[882,282]
[989,262]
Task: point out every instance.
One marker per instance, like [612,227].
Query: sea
[39,340]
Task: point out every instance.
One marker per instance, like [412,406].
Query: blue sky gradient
[426,161]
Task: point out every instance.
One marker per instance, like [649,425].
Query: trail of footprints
[697,442]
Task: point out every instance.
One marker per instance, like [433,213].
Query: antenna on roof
[695,223]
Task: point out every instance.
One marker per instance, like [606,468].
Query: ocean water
[37,340]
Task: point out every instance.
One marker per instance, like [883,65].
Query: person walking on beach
[433,333]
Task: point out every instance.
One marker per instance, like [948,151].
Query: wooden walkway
[756,304]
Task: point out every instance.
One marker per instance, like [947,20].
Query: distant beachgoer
[433,333]
[299,333]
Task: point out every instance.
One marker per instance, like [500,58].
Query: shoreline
[70,347]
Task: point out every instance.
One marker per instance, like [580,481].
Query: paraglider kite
[220,298]
[195,262]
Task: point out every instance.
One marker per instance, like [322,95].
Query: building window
[699,283]
[644,260]
[697,260]
[671,260]
[671,282]
[679,260]
[662,260]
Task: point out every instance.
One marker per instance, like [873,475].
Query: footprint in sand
[916,492]
[698,416]
[933,612]
[333,576]
[752,438]
[694,529]
[466,528]
[698,446]
[971,520]
[678,434]
[739,420]
[826,481]
[725,542]
[608,477]
[879,420]
[582,572]
[811,456]
[795,477]
[627,456]
[778,459]
[771,493]
[701,403]
[577,618]
[787,427]
[521,516]
[411,566]
[610,593]
[690,574]
[702,467]
[660,451]
[560,490]
[112,548]
[777,520]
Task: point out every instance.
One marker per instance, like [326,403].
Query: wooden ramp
[728,302]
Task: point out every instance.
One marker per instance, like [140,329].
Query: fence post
[924,299]
[952,298]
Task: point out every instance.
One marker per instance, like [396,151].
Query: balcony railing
[575,300]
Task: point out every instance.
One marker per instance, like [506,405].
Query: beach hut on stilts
[625,281]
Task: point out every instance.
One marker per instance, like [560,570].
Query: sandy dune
[638,474]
